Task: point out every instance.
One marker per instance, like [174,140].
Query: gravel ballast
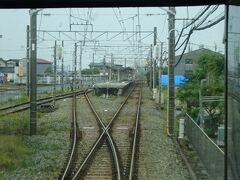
[158,156]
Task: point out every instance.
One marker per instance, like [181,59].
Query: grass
[16,123]
[23,99]
[10,101]
[39,156]
[11,150]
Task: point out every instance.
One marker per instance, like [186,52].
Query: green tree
[210,67]
[93,71]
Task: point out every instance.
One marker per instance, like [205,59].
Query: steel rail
[95,112]
[109,138]
[88,156]
[74,138]
[135,137]
[119,109]
[26,105]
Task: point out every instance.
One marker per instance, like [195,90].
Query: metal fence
[210,154]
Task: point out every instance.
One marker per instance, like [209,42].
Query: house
[8,69]
[189,61]
[15,70]
[43,66]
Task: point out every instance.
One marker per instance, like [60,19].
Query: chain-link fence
[210,154]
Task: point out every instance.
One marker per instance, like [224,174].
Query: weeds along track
[105,148]
[26,105]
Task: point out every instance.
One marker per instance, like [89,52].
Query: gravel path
[158,157]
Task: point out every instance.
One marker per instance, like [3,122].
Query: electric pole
[75,66]
[33,73]
[154,58]
[62,79]
[55,72]
[111,66]
[80,71]
[171,62]
[27,59]
[160,75]
[151,70]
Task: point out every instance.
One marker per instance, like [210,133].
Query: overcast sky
[14,22]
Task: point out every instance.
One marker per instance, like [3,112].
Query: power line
[213,9]
[211,24]
[199,15]
[197,28]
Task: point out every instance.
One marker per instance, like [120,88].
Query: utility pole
[110,73]
[33,74]
[160,74]
[62,79]
[93,68]
[80,71]
[27,59]
[93,60]
[75,66]
[55,72]
[171,62]
[154,58]
[151,70]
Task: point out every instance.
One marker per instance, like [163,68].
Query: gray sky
[13,29]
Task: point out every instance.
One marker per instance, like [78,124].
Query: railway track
[26,105]
[112,154]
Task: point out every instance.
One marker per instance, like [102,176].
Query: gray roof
[193,54]
[102,64]
[109,65]
[111,85]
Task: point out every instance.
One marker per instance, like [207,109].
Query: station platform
[111,88]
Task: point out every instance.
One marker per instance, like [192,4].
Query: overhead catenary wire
[197,27]
[122,25]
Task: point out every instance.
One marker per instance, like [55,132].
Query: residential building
[189,60]
[44,67]
[15,70]
[8,69]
